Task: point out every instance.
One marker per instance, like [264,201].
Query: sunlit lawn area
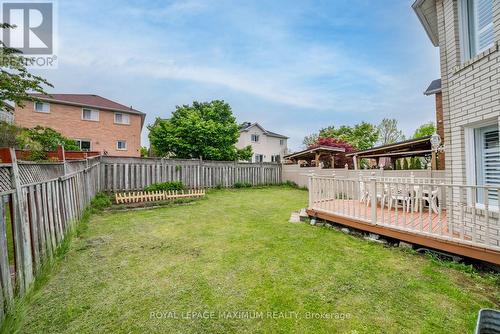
[236,252]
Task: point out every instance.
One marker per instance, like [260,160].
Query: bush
[165,186]
[100,202]
[242,185]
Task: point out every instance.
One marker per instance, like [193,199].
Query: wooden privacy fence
[125,174]
[41,202]
[160,195]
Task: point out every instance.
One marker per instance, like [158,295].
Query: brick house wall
[440,128]
[471,89]
[103,134]
[470,98]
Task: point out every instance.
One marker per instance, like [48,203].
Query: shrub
[242,185]
[100,202]
[165,186]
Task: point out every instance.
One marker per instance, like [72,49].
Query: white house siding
[471,93]
[267,145]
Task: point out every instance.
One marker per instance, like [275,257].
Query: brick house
[96,123]
[468,34]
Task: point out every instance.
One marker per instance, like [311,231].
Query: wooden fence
[40,203]
[125,174]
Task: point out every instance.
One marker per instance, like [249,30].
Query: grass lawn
[236,252]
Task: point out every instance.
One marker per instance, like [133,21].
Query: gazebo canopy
[314,153]
[408,148]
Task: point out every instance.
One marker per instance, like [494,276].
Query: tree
[339,159]
[44,139]
[361,136]
[389,132]
[425,130]
[398,164]
[310,140]
[245,153]
[15,80]
[8,134]
[144,152]
[405,164]
[205,130]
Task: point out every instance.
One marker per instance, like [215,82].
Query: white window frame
[92,111]
[470,160]
[79,142]
[44,104]
[121,149]
[254,135]
[282,142]
[259,155]
[467,49]
[123,114]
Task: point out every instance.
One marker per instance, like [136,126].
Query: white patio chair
[431,197]
[398,194]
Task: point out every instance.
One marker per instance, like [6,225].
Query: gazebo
[420,147]
[314,155]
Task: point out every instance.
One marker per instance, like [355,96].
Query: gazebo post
[355,160]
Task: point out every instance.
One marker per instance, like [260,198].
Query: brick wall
[471,90]
[103,134]
[470,96]
[440,128]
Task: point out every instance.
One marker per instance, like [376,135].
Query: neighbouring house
[7,113]
[96,123]
[467,33]
[267,146]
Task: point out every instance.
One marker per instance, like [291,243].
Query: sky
[292,66]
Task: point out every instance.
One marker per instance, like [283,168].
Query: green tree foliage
[406,166]
[389,132]
[415,163]
[398,164]
[15,80]
[361,136]
[205,130]
[310,140]
[245,153]
[8,134]
[144,152]
[46,139]
[425,130]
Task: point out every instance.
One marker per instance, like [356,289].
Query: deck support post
[373,198]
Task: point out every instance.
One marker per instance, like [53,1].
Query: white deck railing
[428,207]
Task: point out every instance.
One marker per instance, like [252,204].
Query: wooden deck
[422,227]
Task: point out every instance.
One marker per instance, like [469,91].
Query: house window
[259,158]
[83,144]
[42,107]
[275,158]
[487,155]
[476,26]
[121,118]
[282,142]
[121,145]
[90,114]
[255,138]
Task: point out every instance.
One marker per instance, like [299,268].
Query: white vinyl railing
[428,207]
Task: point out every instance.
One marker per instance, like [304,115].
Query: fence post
[163,170]
[373,190]
[310,188]
[22,239]
[61,156]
